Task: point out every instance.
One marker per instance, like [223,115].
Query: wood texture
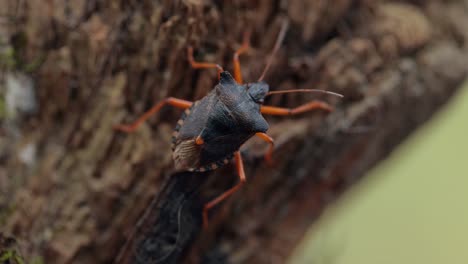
[78,197]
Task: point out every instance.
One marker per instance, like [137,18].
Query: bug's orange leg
[267,138]
[202,65]
[313,105]
[237,68]
[199,140]
[179,103]
[226,194]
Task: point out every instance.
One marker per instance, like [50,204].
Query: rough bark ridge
[72,189]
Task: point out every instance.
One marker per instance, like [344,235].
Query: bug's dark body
[225,118]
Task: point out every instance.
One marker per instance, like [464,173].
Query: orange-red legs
[172,101]
[202,65]
[313,105]
[199,140]
[267,138]
[226,194]
[179,103]
[237,68]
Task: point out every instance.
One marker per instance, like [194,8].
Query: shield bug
[211,131]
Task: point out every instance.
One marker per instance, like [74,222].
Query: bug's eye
[258,91]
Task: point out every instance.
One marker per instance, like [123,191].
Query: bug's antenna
[305,91]
[279,40]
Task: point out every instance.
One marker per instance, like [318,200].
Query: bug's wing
[186,155]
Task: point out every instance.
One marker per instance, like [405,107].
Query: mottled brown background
[72,189]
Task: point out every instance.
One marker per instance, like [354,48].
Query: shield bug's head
[258,91]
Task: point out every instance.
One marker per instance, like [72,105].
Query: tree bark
[73,190]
